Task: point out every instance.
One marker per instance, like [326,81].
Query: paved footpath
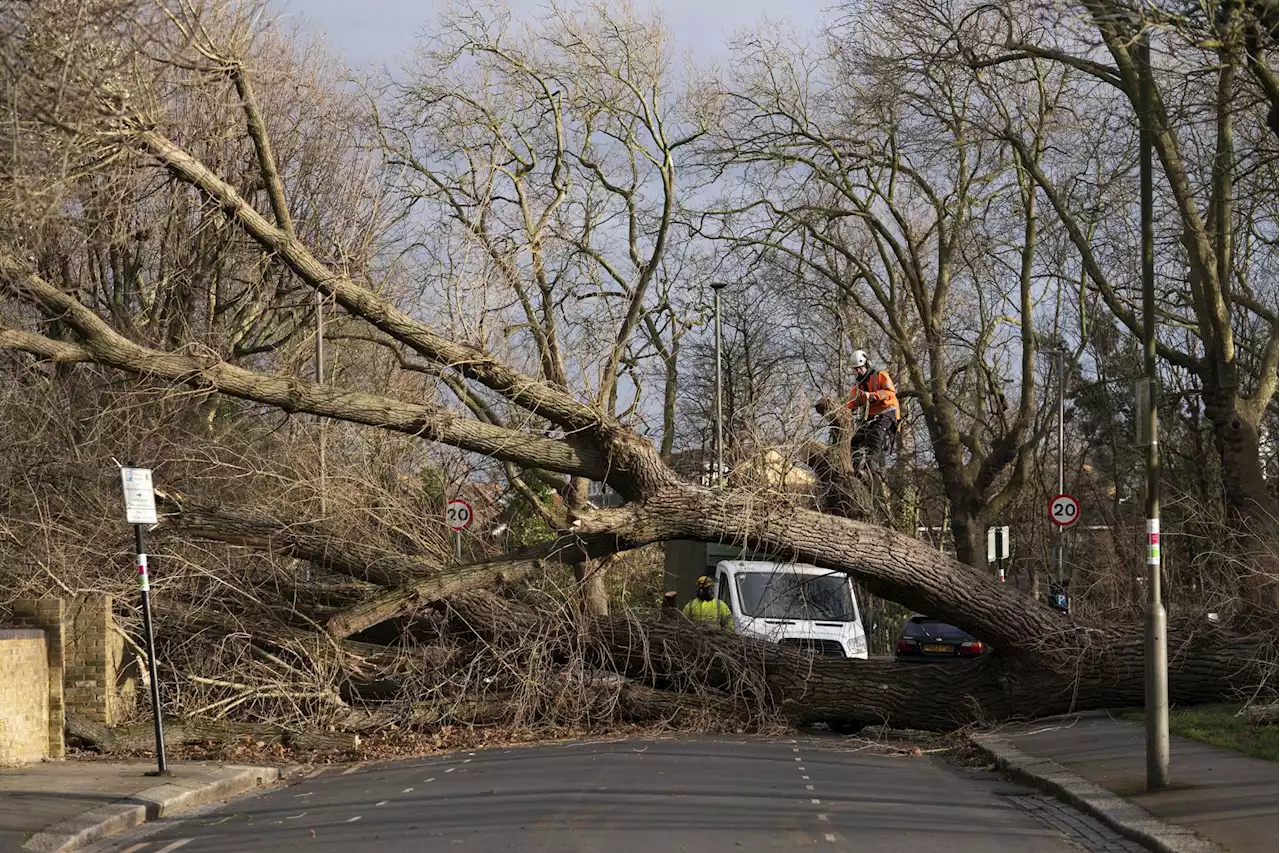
[708,795]
[1221,795]
[64,805]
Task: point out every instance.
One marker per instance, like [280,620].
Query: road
[707,795]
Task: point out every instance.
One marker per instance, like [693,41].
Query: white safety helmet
[859,358]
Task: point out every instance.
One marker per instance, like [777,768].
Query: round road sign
[1064,510]
[458,515]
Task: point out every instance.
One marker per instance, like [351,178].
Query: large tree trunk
[1251,534]
[672,654]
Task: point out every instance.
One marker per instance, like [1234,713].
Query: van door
[724,589]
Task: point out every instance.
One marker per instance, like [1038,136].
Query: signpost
[139,510]
[998,547]
[1064,510]
[458,515]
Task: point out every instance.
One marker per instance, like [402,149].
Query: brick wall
[46,614]
[90,675]
[24,696]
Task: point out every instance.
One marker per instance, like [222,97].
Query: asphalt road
[641,796]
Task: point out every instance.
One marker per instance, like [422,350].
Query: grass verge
[1218,725]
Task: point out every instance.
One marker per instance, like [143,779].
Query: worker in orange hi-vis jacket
[874,397]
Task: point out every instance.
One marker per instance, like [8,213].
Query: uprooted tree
[521,412]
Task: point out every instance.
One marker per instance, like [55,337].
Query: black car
[925,638]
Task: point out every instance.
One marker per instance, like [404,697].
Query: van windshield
[785,595]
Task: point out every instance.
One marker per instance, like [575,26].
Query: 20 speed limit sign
[457,514]
[1064,510]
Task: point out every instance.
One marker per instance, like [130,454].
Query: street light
[1060,355]
[1157,653]
[716,287]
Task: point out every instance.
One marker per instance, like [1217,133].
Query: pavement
[1218,799]
[64,805]
[709,795]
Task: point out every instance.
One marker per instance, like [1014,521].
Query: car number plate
[938,648]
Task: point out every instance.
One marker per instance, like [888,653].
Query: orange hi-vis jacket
[877,389]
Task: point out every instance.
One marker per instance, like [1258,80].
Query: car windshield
[786,595]
[937,629]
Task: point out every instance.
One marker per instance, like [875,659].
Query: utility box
[684,561]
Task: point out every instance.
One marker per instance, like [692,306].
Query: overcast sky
[381,31]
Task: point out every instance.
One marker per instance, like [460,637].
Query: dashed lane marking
[831,836]
[432,779]
[181,842]
[822,817]
[804,777]
[307,794]
[816,802]
[451,769]
[352,819]
[407,791]
[808,787]
[382,802]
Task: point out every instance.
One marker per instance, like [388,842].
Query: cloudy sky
[380,31]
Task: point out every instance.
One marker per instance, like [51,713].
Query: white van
[793,604]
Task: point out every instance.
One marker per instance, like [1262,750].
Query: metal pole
[457,545]
[719,393]
[320,381]
[1058,533]
[144,583]
[1157,663]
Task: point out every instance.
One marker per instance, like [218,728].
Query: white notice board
[139,496]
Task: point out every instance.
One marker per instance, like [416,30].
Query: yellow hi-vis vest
[710,612]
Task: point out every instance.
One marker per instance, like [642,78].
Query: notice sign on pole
[998,544]
[139,497]
[457,513]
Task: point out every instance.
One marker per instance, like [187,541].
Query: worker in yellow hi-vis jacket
[706,609]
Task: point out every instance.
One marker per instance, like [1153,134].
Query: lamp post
[1059,355]
[1157,663]
[716,287]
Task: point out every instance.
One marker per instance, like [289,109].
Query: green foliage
[525,525]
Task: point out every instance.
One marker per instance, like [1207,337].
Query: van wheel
[846,728]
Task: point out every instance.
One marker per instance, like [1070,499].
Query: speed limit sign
[457,514]
[1064,510]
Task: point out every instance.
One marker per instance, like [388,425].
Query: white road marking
[806,778]
[795,749]
[451,769]
[382,802]
[135,848]
[352,819]
[181,842]
[352,769]
[313,774]
[799,759]
[468,761]
[808,787]
[407,791]
[822,817]
[295,817]
[816,802]
[801,769]
[307,794]
[432,779]
[831,836]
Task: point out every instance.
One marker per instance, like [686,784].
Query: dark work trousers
[873,440]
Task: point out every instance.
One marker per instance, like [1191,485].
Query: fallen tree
[1044,662]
